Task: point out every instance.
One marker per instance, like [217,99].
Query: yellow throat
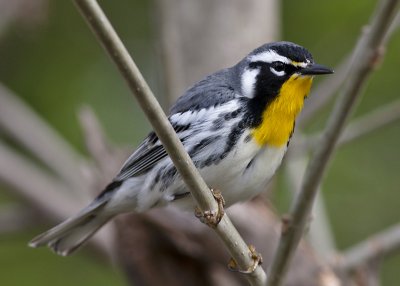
[279,116]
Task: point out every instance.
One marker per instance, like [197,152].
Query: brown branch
[363,63]
[111,42]
[366,275]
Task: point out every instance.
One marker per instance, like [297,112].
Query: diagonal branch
[40,189]
[35,185]
[320,235]
[377,246]
[329,86]
[363,63]
[105,156]
[111,42]
[370,122]
[28,129]
[357,128]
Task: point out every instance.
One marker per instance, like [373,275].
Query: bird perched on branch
[235,124]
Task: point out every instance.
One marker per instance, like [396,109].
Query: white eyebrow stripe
[272,56]
[269,57]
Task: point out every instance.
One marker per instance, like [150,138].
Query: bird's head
[274,67]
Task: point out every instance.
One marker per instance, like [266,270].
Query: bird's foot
[255,256]
[212,217]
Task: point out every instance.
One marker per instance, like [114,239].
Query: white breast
[245,172]
[250,176]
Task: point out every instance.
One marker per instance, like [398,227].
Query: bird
[235,124]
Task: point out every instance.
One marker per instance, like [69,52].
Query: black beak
[314,69]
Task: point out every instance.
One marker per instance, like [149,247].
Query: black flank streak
[167,178]
[222,118]
[156,179]
[249,164]
[202,144]
[232,115]
[217,124]
[109,189]
[180,196]
[153,138]
[213,159]
[181,128]
[233,137]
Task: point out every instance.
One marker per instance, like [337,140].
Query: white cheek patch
[248,81]
[278,73]
[269,57]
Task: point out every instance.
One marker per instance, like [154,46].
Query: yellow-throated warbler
[235,124]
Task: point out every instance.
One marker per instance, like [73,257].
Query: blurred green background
[56,65]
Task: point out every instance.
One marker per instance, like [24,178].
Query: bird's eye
[278,68]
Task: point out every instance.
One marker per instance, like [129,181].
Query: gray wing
[148,154]
[144,158]
[212,91]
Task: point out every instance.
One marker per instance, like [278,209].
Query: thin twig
[320,235]
[383,116]
[111,42]
[322,94]
[375,247]
[42,191]
[105,156]
[363,64]
[358,128]
[35,185]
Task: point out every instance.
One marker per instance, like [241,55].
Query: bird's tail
[69,235]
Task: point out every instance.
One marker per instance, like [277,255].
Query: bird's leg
[255,256]
[211,217]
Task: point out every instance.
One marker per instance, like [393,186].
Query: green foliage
[26,266]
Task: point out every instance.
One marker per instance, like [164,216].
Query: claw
[211,217]
[257,260]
